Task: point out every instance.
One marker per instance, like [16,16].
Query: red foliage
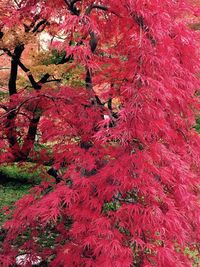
[129,192]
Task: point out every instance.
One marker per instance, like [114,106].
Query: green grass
[23,173]
[9,194]
[15,182]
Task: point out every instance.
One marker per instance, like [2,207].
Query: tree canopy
[111,103]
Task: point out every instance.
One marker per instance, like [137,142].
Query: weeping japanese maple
[125,155]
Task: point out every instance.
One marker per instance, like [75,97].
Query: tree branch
[67,3]
[141,23]
[14,69]
[72,8]
[10,127]
[93,6]
[30,138]
[101,7]
[74,2]
[43,22]
[34,84]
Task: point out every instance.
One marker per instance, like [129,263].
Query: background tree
[126,193]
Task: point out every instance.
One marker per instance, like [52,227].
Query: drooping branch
[93,6]
[100,7]
[140,21]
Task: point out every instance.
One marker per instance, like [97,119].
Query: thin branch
[3,107]
[98,101]
[17,4]
[7,51]
[74,2]
[103,8]
[43,80]
[24,114]
[126,200]
[16,109]
[34,84]
[67,3]
[89,9]
[4,68]
[43,23]
[54,80]
[110,104]
[141,23]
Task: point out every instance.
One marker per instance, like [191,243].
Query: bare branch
[7,51]
[54,80]
[103,8]
[3,107]
[110,104]
[74,2]
[34,84]
[37,28]
[89,9]
[17,4]
[67,3]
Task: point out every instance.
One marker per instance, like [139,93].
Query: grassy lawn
[20,173]
[15,181]
[9,193]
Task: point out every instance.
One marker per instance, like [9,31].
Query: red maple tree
[125,155]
